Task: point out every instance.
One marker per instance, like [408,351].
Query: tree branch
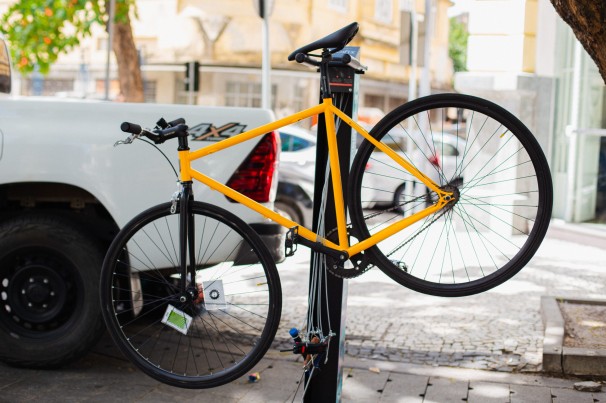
[587,20]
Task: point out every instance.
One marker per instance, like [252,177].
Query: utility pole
[410,7]
[425,84]
[110,39]
[264,8]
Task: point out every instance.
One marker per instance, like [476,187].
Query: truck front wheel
[49,301]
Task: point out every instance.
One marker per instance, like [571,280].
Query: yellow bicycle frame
[329,111]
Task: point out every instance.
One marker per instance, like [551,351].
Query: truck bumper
[273,237]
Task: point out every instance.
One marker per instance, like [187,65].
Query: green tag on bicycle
[178,320]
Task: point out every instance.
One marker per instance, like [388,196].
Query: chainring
[360,262]
[360,265]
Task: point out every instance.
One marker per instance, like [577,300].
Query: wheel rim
[37,292]
[507,190]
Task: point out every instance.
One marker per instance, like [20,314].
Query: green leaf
[40,30]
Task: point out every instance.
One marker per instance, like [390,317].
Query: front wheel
[497,173]
[223,323]
[49,281]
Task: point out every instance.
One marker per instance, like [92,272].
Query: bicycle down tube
[329,110]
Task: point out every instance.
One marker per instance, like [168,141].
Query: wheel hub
[36,293]
[456,194]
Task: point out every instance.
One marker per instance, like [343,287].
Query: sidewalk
[483,348]
[499,330]
[103,376]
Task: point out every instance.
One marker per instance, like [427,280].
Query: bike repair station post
[326,384]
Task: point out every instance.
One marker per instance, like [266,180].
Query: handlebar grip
[132,128]
[302,58]
[179,121]
[354,63]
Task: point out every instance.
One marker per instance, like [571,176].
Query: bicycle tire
[503,187]
[234,316]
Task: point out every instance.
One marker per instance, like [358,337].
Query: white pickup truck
[65,191]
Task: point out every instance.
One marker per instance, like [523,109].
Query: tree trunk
[129,70]
[587,20]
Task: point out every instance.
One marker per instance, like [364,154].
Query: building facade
[523,56]
[225,38]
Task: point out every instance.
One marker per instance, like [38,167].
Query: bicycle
[444,231]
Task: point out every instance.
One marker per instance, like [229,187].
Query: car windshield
[294,143]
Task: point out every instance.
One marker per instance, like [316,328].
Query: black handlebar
[132,128]
[174,129]
[178,121]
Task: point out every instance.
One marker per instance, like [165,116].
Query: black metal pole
[325,384]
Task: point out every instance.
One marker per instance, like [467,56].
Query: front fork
[188,290]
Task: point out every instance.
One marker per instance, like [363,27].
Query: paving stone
[446,390]
[485,392]
[529,393]
[404,388]
[570,396]
[363,385]
[588,386]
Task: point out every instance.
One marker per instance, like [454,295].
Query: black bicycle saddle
[337,41]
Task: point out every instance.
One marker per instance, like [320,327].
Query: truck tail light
[435,160]
[255,177]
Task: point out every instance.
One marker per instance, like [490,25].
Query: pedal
[290,243]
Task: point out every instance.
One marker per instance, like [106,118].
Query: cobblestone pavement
[498,330]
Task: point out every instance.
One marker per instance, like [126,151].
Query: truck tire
[49,300]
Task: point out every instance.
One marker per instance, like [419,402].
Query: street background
[401,345]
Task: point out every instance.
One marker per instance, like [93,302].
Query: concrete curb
[584,234]
[559,359]
[553,341]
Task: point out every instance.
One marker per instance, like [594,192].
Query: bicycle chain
[361,264]
[418,233]
[446,209]
[360,261]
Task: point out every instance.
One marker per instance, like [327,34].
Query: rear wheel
[494,167]
[216,330]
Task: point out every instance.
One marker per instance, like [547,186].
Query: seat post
[324,84]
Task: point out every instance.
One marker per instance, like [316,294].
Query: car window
[396,143]
[5,69]
[447,150]
[293,143]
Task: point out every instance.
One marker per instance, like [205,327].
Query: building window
[246,94]
[384,10]
[36,84]
[298,99]
[150,90]
[243,94]
[340,5]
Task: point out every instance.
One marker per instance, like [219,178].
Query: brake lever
[128,140]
